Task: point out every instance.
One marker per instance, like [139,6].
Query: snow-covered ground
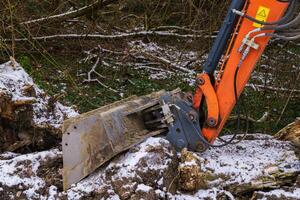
[150,168]
[14,83]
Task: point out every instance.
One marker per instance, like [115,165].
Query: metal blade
[93,138]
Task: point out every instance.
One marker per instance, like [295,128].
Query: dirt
[50,171]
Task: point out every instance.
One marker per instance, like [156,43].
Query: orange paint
[225,88]
[205,88]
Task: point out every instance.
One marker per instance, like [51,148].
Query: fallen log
[71,14]
[290,133]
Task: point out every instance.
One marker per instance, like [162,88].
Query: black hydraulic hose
[283,37]
[287,34]
[237,108]
[290,31]
[225,143]
[287,16]
[291,24]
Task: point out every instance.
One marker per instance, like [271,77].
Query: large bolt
[211,122]
[200,147]
[200,81]
[192,116]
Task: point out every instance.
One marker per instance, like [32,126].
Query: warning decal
[261,15]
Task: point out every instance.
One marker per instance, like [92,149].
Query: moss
[25,62]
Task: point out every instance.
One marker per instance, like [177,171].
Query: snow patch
[250,159]
[22,171]
[143,188]
[13,80]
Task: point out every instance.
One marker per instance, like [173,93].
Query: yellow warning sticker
[261,15]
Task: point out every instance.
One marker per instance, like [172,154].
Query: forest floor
[259,167]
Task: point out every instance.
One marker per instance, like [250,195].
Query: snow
[189,163]
[203,194]
[180,62]
[22,171]
[52,192]
[8,155]
[129,161]
[250,159]
[13,80]
[143,188]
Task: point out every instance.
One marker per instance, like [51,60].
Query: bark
[291,133]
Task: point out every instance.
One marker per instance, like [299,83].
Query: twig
[179,28]
[153,69]
[167,63]
[288,100]
[250,119]
[90,79]
[272,88]
[71,14]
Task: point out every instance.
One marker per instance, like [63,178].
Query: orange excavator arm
[247,44]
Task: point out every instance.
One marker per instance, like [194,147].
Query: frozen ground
[260,163]
[19,87]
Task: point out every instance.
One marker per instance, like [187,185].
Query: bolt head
[200,81]
[211,122]
[192,117]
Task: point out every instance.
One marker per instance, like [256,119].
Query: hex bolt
[192,117]
[200,147]
[200,81]
[211,122]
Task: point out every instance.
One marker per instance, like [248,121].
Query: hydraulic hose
[283,37]
[283,20]
[290,31]
[291,24]
[288,34]
[225,143]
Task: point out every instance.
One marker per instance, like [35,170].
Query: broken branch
[90,79]
[71,14]
[109,37]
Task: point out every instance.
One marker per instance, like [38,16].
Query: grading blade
[91,139]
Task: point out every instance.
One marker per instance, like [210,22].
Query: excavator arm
[245,45]
[241,41]
[93,138]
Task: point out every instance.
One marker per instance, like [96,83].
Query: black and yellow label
[261,15]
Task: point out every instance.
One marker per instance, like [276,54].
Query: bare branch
[90,79]
[255,86]
[263,118]
[166,62]
[71,14]
[110,37]
[179,28]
